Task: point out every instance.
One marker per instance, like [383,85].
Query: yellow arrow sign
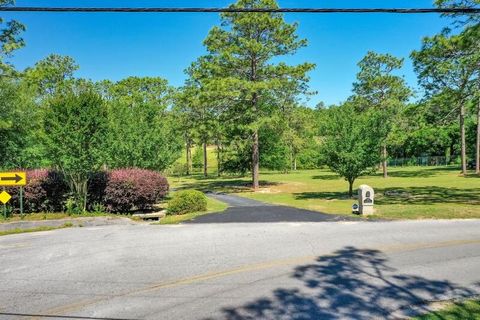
[5,197]
[12,179]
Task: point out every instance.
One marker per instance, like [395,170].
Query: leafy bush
[46,191]
[197,159]
[73,206]
[134,189]
[97,184]
[178,169]
[187,201]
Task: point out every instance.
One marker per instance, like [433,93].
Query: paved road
[329,270]
[243,210]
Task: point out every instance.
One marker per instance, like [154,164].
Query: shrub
[177,169]
[72,206]
[46,191]
[134,189]
[197,159]
[97,184]
[187,201]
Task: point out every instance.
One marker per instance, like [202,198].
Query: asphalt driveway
[243,210]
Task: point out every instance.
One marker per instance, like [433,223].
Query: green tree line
[242,99]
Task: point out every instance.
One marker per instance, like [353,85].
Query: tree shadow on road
[350,284]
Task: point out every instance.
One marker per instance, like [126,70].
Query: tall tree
[75,127]
[378,88]
[10,39]
[242,54]
[202,106]
[299,132]
[182,112]
[20,127]
[460,18]
[477,153]
[141,130]
[449,64]
[51,75]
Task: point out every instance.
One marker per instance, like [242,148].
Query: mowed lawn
[409,192]
[468,310]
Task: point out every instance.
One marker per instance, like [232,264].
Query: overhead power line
[269,10]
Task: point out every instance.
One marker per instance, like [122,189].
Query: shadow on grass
[352,283]
[472,176]
[326,177]
[323,195]
[399,173]
[223,184]
[412,195]
[428,195]
[419,172]
[411,174]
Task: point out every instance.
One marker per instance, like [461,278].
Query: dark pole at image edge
[239,10]
[4,207]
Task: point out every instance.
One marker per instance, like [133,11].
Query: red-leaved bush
[46,191]
[134,189]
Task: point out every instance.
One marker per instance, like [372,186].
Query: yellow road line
[420,246]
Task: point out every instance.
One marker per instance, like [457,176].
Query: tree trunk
[294,163]
[384,161]
[219,159]
[84,195]
[255,146]
[350,188]
[291,161]
[205,163]
[79,186]
[255,161]
[189,157]
[463,142]
[477,156]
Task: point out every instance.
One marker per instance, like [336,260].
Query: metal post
[21,202]
[4,208]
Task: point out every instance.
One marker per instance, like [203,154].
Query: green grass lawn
[409,192]
[55,216]
[469,310]
[37,229]
[213,206]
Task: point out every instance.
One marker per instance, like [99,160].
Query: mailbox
[366,198]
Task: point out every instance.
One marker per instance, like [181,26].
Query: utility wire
[268,10]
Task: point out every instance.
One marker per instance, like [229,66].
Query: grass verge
[56,216]
[213,206]
[468,310]
[38,229]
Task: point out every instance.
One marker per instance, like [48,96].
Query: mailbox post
[366,198]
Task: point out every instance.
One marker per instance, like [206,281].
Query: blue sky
[115,46]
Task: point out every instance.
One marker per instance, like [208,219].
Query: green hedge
[187,201]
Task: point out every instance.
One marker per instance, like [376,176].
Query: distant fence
[423,161]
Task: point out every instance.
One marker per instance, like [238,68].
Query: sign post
[5,204]
[12,179]
[21,201]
